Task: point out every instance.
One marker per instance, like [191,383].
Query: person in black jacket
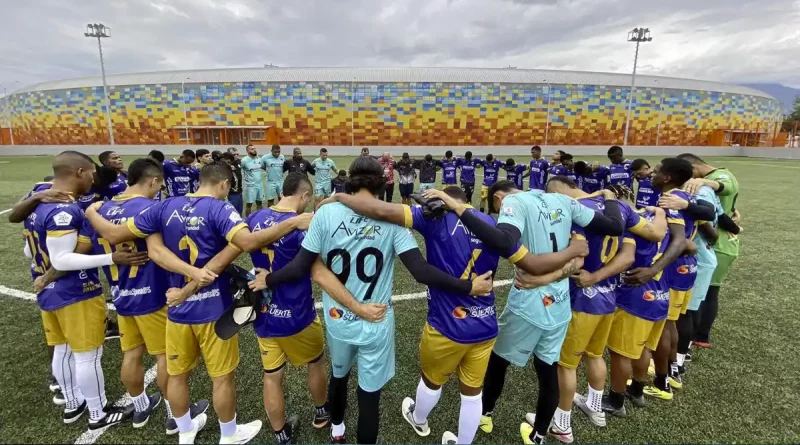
[235,193]
[297,164]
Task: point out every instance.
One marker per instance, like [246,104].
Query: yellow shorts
[439,357]
[149,330]
[678,302]
[81,325]
[484,192]
[187,342]
[586,334]
[630,334]
[301,348]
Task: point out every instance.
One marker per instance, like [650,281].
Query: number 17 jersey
[360,252]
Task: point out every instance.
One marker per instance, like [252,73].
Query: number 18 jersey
[361,253]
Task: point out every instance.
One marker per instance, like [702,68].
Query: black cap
[245,304]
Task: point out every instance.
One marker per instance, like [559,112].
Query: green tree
[795,114]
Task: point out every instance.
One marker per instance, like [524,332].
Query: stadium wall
[391,113]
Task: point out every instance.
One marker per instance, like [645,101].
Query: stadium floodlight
[100,31]
[638,35]
[185,111]
[547,119]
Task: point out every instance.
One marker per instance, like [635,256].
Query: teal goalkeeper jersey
[545,222]
[251,171]
[705,250]
[274,167]
[361,253]
[323,170]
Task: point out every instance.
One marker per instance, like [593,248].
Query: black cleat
[338,439]
[54,386]
[196,409]
[321,418]
[58,398]
[292,422]
[112,329]
[606,406]
[140,418]
[72,415]
[114,415]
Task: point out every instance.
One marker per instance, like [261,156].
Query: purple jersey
[467,169]
[596,181]
[180,179]
[601,298]
[514,174]
[490,170]
[54,220]
[292,307]
[452,248]
[136,290]
[449,171]
[84,201]
[195,228]
[557,170]
[649,301]
[682,273]
[621,174]
[646,195]
[538,173]
[118,186]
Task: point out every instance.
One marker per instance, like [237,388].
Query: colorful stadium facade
[390,106]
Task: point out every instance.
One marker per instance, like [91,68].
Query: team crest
[589,292]
[62,219]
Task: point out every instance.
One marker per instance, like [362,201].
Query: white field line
[5,211]
[90,437]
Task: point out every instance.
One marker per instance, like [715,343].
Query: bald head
[75,170]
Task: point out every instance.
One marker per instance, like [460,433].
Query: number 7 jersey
[361,253]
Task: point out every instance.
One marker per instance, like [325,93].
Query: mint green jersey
[251,171]
[274,167]
[323,170]
[705,250]
[361,253]
[545,222]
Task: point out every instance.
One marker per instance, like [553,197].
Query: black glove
[431,208]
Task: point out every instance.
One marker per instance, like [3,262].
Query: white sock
[681,359]
[562,419]
[469,418]
[337,430]
[690,345]
[594,399]
[426,400]
[141,402]
[169,410]
[63,366]
[185,424]
[227,429]
[91,381]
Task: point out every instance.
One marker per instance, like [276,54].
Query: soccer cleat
[321,420]
[449,438]
[112,329]
[72,415]
[54,386]
[486,424]
[563,436]
[681,369]
[199,423]
[637,401]
[607,407]
[244,433]
[58,398]
[140,418]
[338,439]
[653,391]
[407,409]
[526,431]
[597,418]
[675,381]
[197,408]
[702,344]
[688,357]
[114,415]
[292,422]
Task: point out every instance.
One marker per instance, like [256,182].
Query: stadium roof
[383,75]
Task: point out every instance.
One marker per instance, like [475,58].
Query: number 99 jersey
[361,253]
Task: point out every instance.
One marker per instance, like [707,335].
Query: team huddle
[594,273]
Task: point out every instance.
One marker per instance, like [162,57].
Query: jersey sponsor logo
[181,178]
[277,312]
[335,313]
[508,211]
[131,292]
[462,312]
[200,296]
[548,300]
[657,295]
[687,269]
[91,287]
[623,175]
[368,231]
[554,216]
[62,219]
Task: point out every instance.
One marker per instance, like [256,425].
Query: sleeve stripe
[84,239]
[408,219]
[234,230]
[135,230]
[638,228]
[627,240]
[235,247]
[676,221]
[58,233]
[518,255]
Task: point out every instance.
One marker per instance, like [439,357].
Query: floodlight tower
[638,35]
[101,31]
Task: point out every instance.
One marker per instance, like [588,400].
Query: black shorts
[468,188]
[406,190]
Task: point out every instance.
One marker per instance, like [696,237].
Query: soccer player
[620,168]
[725,185]
[198,229]
[323,167]
[408,175]
[113,160]
[467,166]
[514,172]
[158,155]
[340,183]
[449,167]
[388,164]
[361,252]
[297,165]
[556,169]
[252,167]
[73,306]
[273,163]
[593,299]
[491,167]
[203,157]
[568,169]
[646,195]
[427,172]
[593,177]
[235,194]
[534,321]
[180,176]
[538,169]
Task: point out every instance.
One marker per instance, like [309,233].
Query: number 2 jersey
[55,220]
[195,228]
[292,306]
[361,253]
[135,290]
[452,248]
[600,298]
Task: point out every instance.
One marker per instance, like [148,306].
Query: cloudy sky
[730,40]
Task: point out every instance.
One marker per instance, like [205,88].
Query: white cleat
[597,418]
[199,423]
[530,418]
[449,438]
[563,436]
[407,409]
[244,433]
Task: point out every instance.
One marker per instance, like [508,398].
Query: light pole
[185,111]
[547,121]
[637,35]
[100,31]
[8,113]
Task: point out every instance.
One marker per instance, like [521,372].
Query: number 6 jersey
[361,253]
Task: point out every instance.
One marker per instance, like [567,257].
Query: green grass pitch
[744,389]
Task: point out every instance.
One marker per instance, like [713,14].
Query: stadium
[390,107]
